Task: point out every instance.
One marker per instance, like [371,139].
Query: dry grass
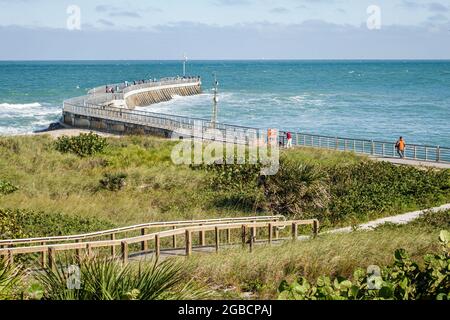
[338,254]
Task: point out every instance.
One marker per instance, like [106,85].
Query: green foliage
[16,224]
[7,188]
[374,187]
[333,193]
[403,280]
[83,145]
[108,280]
[113,181]
[10,276]
[297,189]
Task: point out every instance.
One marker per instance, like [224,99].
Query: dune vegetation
[131,180]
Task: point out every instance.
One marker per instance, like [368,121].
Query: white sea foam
[23,118]
[19,106]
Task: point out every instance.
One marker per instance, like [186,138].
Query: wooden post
[315,228]
[77,252]
[373,148]
[270,229]
[188,243]
[157,246]
[202,239]
[144,244]
[294,231]
[252,238]
[244,235]
[51,259]
[89,251]
[277,233]
[174,239]
[113,247]
[229,236]
[124,246]
[438,154]
[43,257]
[217,234]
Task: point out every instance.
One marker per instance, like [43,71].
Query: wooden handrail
[51,249]
[151,225]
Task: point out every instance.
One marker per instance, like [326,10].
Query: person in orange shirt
[401,146]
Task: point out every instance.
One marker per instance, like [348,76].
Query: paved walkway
[407,162]
[400,219]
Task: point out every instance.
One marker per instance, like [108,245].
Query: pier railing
[129,86]
[90,107]
[373,148]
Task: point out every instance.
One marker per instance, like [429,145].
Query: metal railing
[373,148]
[93,105]
[130,86]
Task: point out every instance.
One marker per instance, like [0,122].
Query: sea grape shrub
[113,181]
[375,187]
[403,280]
[7,188]
[16,224]
[83,145]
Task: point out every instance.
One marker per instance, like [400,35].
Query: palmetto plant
[296,189]
[101,279]
[9,277]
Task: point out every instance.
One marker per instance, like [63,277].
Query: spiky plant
[296,189]
[10,276]
[100,279]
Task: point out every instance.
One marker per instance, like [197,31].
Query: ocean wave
[24,118]
[19,106]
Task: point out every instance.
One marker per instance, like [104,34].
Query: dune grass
[234,273]
[156,189]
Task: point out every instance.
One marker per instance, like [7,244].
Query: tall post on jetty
[215,101]
[184,64]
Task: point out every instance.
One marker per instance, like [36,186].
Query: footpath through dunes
[113,112]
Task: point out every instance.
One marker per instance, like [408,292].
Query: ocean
[378,100]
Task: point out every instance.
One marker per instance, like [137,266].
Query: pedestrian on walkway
[401,146]
[289,140]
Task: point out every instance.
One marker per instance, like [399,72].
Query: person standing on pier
[289,140]
[401,146]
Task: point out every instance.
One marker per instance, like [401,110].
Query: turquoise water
[363,99]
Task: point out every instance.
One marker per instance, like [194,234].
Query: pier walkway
[115,113]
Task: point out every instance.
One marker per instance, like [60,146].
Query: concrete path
[400,219]
[416,163]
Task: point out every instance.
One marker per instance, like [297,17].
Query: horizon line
[233,59]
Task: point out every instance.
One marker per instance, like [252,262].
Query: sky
[224,29]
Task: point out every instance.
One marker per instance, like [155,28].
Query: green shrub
[404,280]
[113,181]
[16,224]
[83,145]
[7,188]
[102,279]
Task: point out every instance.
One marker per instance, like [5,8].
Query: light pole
[184,65]
[215,101]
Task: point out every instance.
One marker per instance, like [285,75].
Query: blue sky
[225,29]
